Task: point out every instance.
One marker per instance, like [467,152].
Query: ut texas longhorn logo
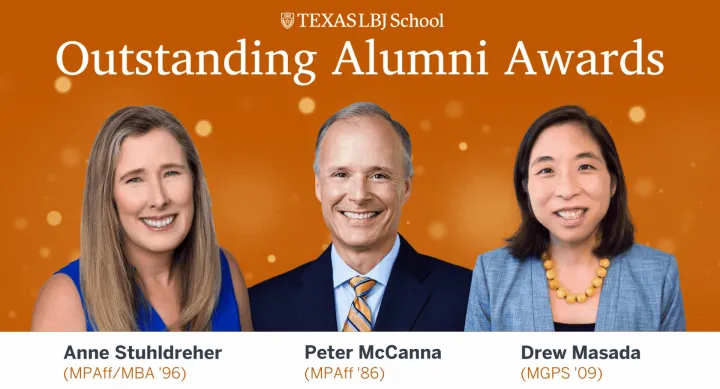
[287,19]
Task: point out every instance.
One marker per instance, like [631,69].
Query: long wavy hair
[112,298]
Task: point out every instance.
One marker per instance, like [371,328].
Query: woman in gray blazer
[573,264]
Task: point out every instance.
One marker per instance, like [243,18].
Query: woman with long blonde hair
[149,256]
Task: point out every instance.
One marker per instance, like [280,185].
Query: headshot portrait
[573,263]
[369,278]
[150,259]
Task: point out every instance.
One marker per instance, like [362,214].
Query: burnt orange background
[258,155]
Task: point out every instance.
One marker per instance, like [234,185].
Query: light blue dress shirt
[345,294]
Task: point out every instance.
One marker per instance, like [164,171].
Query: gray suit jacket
[641,292]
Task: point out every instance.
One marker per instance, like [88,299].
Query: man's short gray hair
[367,110]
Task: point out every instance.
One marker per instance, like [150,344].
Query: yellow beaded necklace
[562,293]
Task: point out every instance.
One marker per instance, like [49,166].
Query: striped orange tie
[360,318]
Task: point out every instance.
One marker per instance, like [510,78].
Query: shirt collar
[380,273]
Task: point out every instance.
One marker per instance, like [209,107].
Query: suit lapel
[405,295]
[315,301]
[541,309]
[609,294]
[607,306]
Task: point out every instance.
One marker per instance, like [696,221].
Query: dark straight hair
[617,232]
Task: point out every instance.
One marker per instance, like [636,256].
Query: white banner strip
[386,360]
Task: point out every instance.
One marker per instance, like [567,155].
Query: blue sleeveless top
[224,318]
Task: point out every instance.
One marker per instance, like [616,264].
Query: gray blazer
[641,292]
